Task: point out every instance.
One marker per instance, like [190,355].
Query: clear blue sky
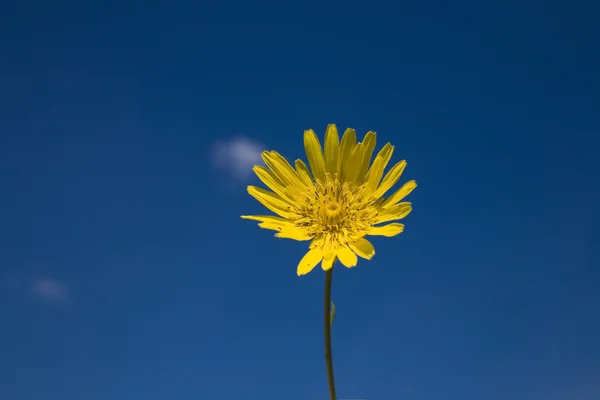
[126,272]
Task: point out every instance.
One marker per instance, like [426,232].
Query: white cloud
[50,289]
[237,156]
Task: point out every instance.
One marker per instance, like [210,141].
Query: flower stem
[328,356]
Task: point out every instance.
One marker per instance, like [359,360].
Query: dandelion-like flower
[336,205]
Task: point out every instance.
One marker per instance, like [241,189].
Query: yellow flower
[338,204]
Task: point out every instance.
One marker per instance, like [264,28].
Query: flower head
[337,202]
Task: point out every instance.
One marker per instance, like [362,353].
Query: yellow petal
[363,248]
[303,172]
[271,226]
[346,146]
[296,194]
[393,213]
[269,219]
[309,261]
[389,230]
[292,233]
[272,181]
[314,153]
[346,256]
[368,146]
[270,200]
[285,228]
[327,264]
[399,194]
[352,168]
[376,171]
[390,179]
[332,144]
[280,166]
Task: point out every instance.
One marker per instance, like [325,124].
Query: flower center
[333,209]
[334,213]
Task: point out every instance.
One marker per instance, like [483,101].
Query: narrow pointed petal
[269,218]
[314,153]
[389,230]
[284,228]
[346,146]
[376,171]
[292,233]
[273,227]
[369,143]
[309,261]
[332,144]
[270,200]
[399,194]
[272,181]
[352,169]
[280,167]
[394,213]
[390,179]
[303,172]
[363,248]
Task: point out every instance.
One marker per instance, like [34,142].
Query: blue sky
[126,272]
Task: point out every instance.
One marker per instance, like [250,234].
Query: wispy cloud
[237,156]
[50,289]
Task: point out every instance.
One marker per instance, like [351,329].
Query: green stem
[328,356]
